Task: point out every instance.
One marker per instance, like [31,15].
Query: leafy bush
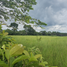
[16,56]
[4,39]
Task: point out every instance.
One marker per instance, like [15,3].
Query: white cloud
[57,28]
[4,27]
[52,12]
[38,29]
[20,27]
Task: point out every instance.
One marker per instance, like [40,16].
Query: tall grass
[53,48]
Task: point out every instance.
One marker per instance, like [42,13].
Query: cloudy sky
[53,13]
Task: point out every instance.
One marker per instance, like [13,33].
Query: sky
[53,13]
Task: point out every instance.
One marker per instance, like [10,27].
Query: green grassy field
[53,48]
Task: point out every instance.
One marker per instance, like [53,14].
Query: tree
[22,32]
[29,30]
[53,33]
[49,33]
[43,32]
[10,32]
[14,26]
[18,10]
[14,8]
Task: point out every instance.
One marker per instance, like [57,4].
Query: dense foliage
[31,31]
[15,55]
[17,10]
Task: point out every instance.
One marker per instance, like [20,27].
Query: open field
[53,48]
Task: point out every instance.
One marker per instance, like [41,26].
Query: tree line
[28,30]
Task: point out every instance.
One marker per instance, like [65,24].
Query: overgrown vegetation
[15,55]
[53,48]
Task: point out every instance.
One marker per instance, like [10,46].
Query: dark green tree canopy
[29,30]
[14,26]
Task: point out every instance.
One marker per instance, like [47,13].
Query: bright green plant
[13,54]
[16,56]
[4,39]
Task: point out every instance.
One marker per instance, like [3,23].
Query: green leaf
[11,61]
[3,64]
[45,62]
[26,53]
[32,22]
[7,54]
[42,64]
[28,10]
[0,52]
[32,58]
[23,57]
[38,55]
[17,50]
[3,47]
